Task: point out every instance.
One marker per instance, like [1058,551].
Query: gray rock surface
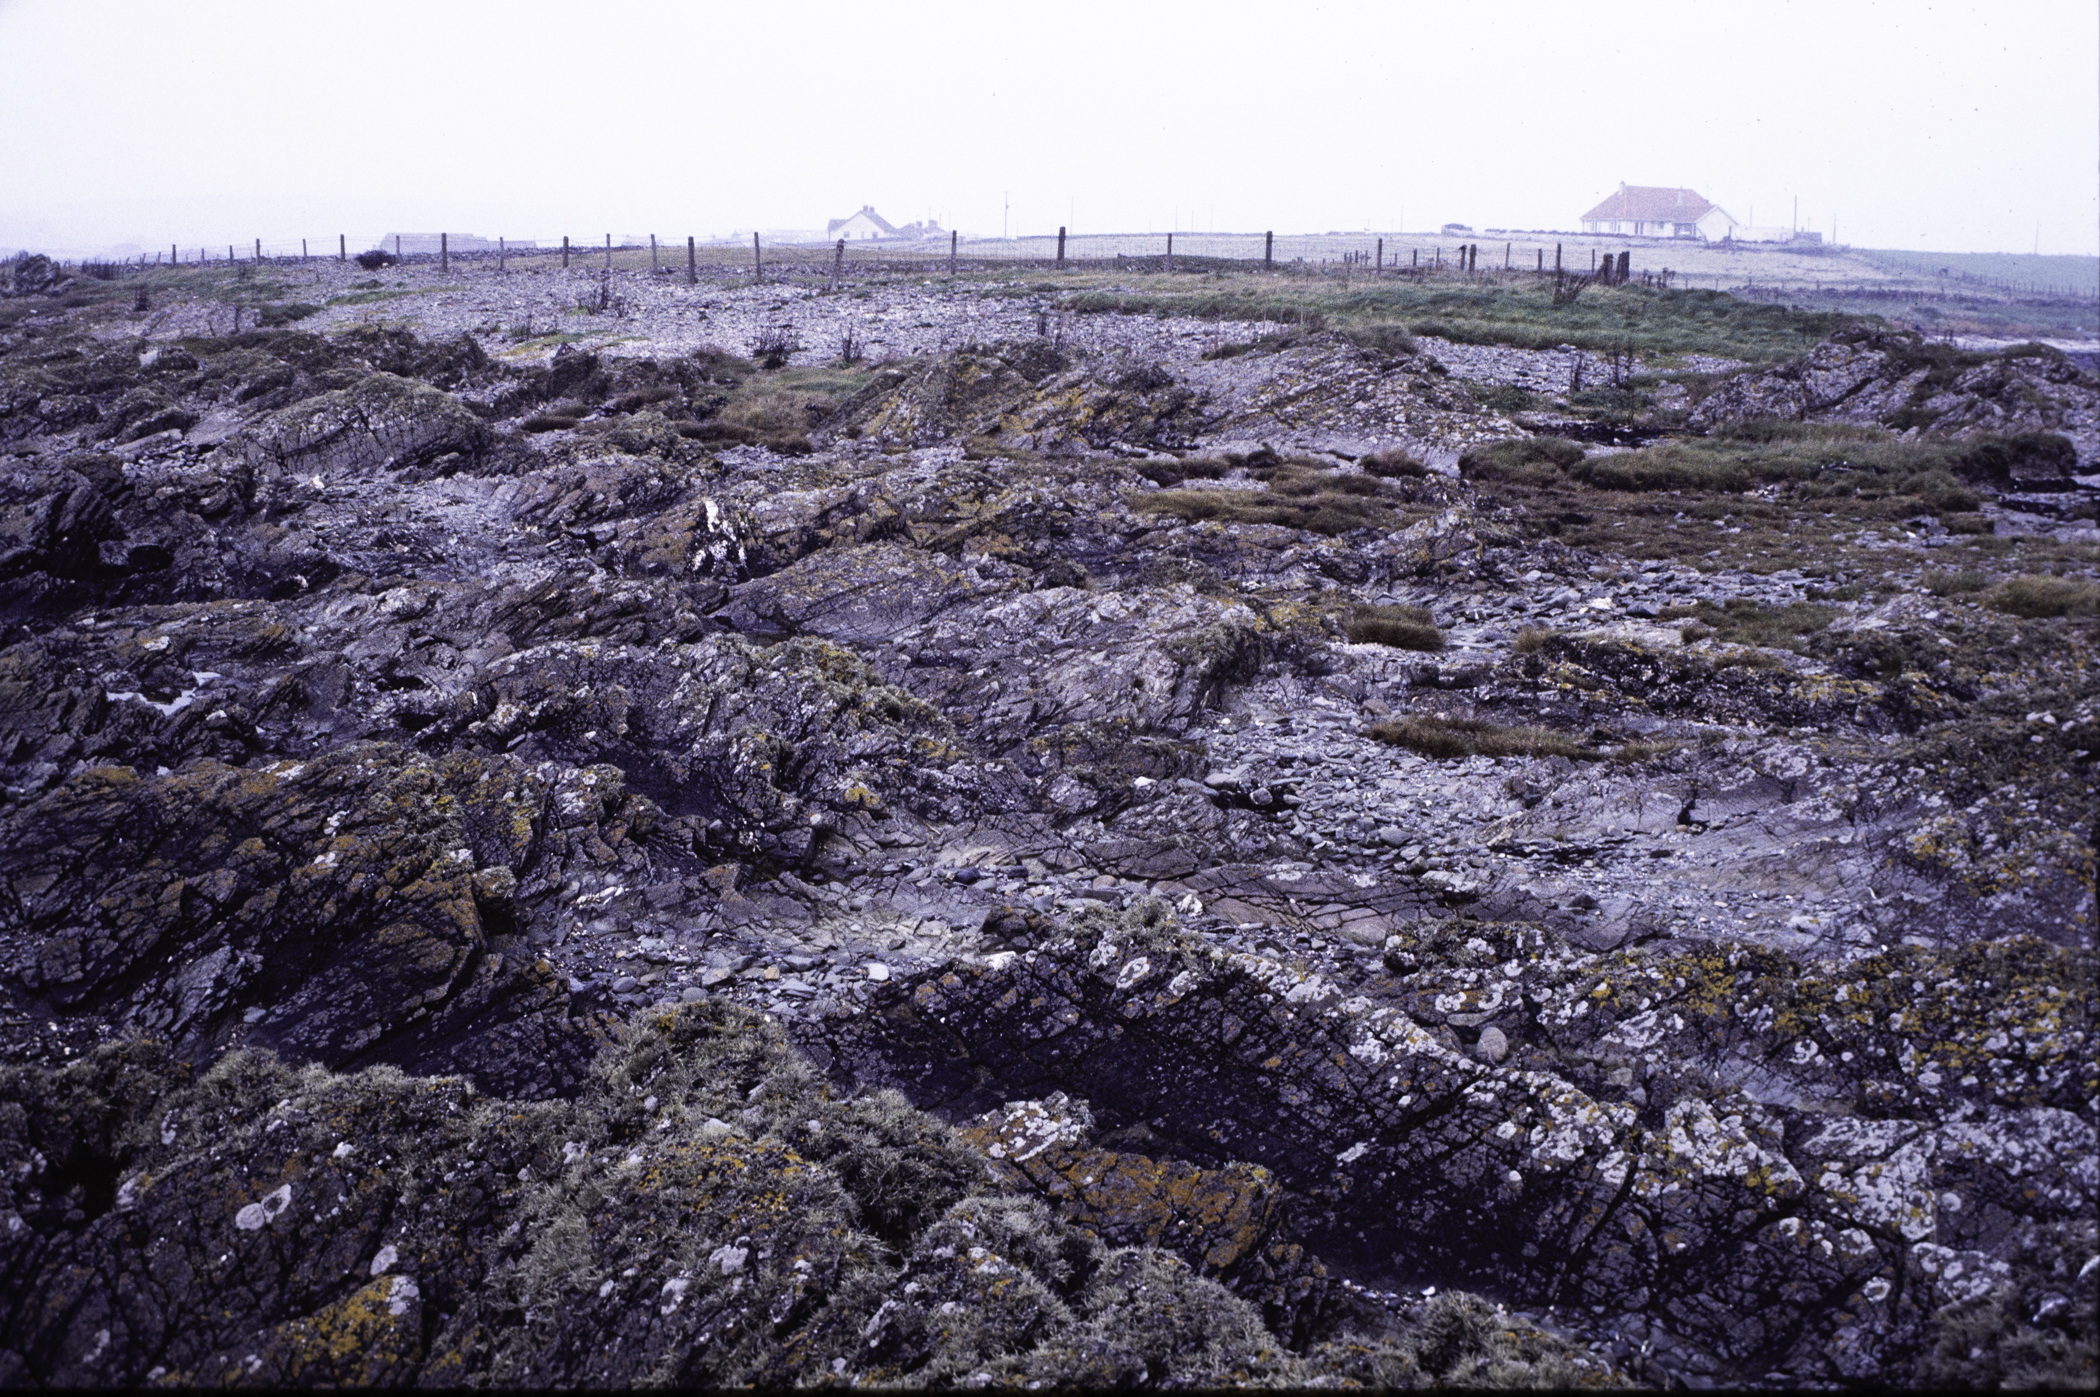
[617,867]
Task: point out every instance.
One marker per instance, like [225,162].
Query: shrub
[2037,598]
[2001,461]
[773,345]
[373,260]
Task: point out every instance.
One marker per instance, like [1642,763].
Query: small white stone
[384,1261]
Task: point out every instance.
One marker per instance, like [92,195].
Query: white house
[1651,211]
[868,225]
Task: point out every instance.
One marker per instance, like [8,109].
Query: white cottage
[860,227]
[1651,211]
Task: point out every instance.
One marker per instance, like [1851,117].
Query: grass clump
[1740,621]
[1532,639]
[1392,465]
[1401,627]
[1297,496]
[2039,598]
[1956,584]
[1447,739]
[1526,461]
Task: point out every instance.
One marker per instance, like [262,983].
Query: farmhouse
[1650,211]
[868,224]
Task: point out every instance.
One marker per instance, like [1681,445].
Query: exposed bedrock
[1638,1133]
[480,838]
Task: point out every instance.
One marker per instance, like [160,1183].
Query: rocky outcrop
[1604,1132]
[479,844]
[703,1212]
[1900,381]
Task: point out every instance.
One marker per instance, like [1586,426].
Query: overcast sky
[1948,126]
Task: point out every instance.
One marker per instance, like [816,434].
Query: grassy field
[1502,308]
[2076,274]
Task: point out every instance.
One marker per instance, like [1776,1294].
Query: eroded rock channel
[1142,851]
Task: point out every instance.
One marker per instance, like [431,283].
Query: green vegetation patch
[2037,598]
[1402,627]
[1448,739]
[1515,309]
[1739,621]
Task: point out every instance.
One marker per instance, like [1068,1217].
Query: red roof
[1647,203]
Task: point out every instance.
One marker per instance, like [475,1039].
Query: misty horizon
[1959,129]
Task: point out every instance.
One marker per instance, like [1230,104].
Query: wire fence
[1388,254]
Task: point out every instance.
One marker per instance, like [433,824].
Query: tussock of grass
[1448,739]
[1299,496]
[1529,460]
[1739,621]
[1956,584]
[1401,627]
[2038,598]
[1393,465]
[1531,639]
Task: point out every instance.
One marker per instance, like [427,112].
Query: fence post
[1414,258]
[952,237]
[838,262]
[565,254]
[652,254]
[758,266]
[444,253]
[342,247]
[1170,252]
[1060,246]
[1379,266]
[174,255]
[608,252]
[692,269]
[1542,261]
[258,252]
[397,247]
[1506,252]
[502,253]
[1268,248]
[302,250]
[1556,258]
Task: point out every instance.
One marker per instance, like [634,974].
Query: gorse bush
[373,260]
